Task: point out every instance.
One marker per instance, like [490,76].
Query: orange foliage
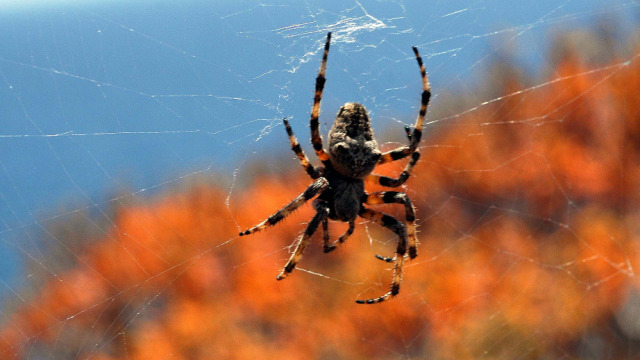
[527,242]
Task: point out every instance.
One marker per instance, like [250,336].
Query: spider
[346,167]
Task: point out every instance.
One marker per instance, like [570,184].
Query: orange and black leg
[297,149]
[321,214]
[391,182]
[330,247]
[399,229]
[394,197]
[316,138]
[316,188]
[416,135]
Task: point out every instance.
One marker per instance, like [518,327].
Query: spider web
[137,139]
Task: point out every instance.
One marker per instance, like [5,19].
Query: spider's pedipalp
[330,247]
[317,187]
[325,234]
[385,258]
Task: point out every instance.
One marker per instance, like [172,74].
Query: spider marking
[338,188]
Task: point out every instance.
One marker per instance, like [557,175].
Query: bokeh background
[138,139]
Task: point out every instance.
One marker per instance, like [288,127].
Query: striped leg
[397,227]
[404,151]
[394,197]
[295,146]
[316,188]
[316,138]
[296,256]
[391,182]
[330,247]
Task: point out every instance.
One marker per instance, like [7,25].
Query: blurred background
[138,138]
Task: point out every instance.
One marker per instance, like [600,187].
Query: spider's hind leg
[297,149]
[416,134]
[391,182]
[316,138]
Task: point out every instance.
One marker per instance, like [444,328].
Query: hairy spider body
[352,148]
[343,196]
[339,186]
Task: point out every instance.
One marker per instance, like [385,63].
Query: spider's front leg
[322,211]
[397,227]
[395,197]
[316,188]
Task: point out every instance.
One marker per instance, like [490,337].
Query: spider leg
[391,182]
[330,247]
[407,129]
[397,227]
[415,137]
[316,138]
[295,146]
[316,188]
[296,256]
[325,233]
[394,197]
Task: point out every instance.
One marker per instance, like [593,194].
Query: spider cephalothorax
[339,183]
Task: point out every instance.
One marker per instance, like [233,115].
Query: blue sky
[100,96]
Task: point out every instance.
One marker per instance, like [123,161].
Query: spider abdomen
[352,147]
